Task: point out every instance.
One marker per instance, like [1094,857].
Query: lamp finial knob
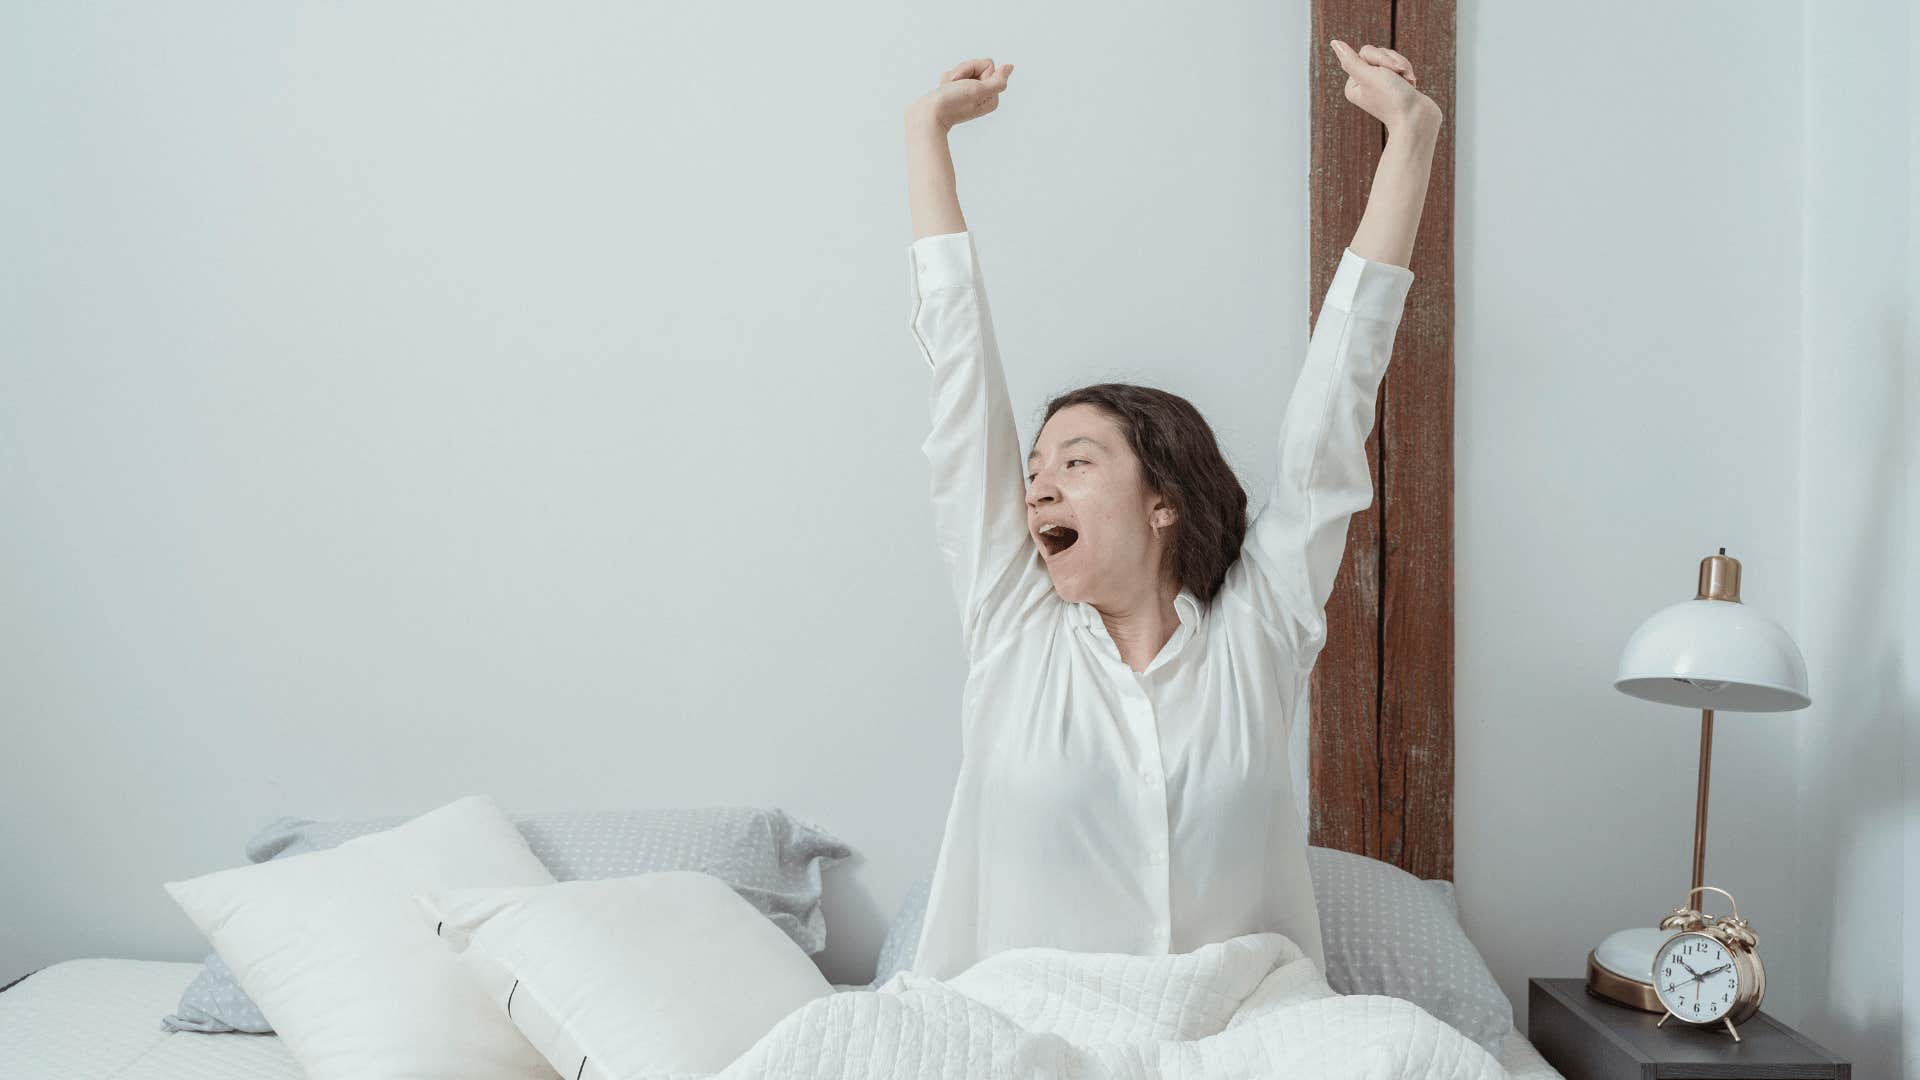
[1719,578]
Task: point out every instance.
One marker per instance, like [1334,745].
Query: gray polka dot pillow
[1384,930]
[769,857]
[1388,932]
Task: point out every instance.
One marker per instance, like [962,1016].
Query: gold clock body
[1746,1005]
[1750,978]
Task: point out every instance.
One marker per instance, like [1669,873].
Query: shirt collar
[1186,607]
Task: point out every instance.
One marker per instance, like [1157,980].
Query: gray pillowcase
[771,858]
[1384,930]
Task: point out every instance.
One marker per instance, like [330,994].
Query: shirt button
[1151,776]
[1156,857]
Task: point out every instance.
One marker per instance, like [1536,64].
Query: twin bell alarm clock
[1705,972]
[1709,973]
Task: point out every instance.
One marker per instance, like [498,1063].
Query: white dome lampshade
[1712,654]
[1715,654]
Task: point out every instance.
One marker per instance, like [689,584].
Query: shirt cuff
[1374,290]
[944,261]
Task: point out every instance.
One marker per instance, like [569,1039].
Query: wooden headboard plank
[1343,732]
[1381,729]
[1416,686]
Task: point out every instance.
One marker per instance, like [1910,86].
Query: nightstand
[1590,1038]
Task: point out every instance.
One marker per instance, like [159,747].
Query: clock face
[1695,978]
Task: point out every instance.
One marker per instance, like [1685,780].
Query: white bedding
[100,1020]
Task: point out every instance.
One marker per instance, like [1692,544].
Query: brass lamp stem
[1719,580]
[1700,807]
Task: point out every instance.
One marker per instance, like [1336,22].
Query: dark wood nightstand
[1590,1038]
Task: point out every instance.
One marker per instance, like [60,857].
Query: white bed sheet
[100,1020]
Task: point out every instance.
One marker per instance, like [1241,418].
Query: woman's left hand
[1382,82]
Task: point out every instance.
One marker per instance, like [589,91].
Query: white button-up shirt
[1097,808]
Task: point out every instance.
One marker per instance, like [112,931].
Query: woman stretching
[1135,645]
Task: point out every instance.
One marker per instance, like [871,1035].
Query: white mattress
[95,1019]
[100,1020]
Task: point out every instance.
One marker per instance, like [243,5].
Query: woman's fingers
[967,69]
[992,77]
[1350,61]
[1371,56]
[1356,64]
[1387,58]
[1406,66]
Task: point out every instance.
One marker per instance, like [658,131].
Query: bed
[98,1019]
[1381,698]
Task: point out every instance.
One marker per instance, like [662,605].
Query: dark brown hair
[1181,460]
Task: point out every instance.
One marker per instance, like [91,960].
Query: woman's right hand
[1382,83]
[968,89]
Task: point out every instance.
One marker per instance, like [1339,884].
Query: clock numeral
[1696,1006]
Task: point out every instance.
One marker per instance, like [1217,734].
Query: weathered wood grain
[1416,684]
[1381,729]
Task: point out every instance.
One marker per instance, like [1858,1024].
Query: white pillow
[332,949]
[669,972]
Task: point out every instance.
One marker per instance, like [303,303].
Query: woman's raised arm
[978,490]
[1382,82]
[968,89]
[1294,545]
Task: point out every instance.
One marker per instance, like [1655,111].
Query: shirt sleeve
[978,480]
[1294,545]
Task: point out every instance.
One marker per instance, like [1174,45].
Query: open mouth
[1057,538]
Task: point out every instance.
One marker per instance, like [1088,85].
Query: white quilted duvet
[1252,1006]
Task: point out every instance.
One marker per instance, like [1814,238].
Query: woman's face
[1082,475]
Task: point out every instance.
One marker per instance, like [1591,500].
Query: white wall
[1627,385]
[1682,259]
[1856,550]
[399,402]
[403,402]
[1910,674]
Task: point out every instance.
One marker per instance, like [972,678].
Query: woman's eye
[1082,461]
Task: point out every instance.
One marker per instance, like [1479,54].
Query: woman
[1135,646]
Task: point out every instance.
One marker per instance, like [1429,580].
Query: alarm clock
[1708,974]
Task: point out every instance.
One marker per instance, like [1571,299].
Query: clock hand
[1716,971]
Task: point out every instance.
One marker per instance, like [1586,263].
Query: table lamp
[1711,653]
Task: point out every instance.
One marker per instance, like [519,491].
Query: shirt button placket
[1153,797]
